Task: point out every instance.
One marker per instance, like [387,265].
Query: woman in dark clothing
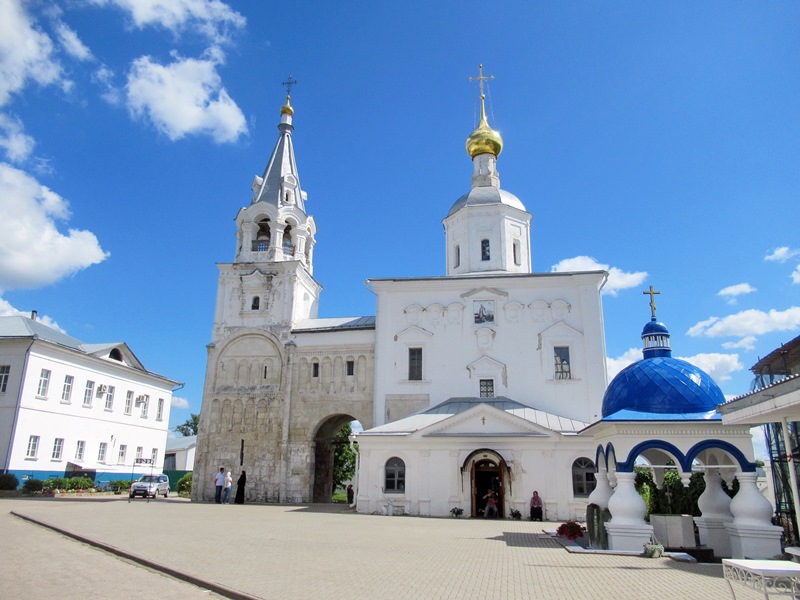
[239,499]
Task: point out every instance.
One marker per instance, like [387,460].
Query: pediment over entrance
[489,291]
[413,332]
[485,421]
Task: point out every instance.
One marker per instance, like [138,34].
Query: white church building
[489,377]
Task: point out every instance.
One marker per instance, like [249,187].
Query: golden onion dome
[287,109]
[484,140]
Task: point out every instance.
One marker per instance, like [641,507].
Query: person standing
[491,504]
[350,494]
[240,483]
[536,507]
[228,485]
[219,482]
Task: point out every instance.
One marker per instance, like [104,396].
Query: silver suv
[150,485]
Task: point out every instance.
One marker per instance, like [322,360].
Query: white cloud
[731,292]
[32,250]
[26,53]
[6,310]
[178,402]
[104,77]
[796,275]
[746,343]
[71,43]
[184,97]
[748,322]
[615,365]
[781,254]
[13,139]
[212,18]
[617,279]
[718,365]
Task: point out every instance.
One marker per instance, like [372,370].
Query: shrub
[56,483]
[79,483]
[8,481]
[120,485]
[184,485]
[570,530]
[33,485]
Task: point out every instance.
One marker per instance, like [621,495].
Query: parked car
[150,485]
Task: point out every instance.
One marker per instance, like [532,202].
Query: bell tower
[270,283]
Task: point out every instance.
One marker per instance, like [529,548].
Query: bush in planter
[570,530]
[120,485]
[184,485]
[78,483]
[33,485]
[8,481]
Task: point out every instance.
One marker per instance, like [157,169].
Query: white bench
[772,577]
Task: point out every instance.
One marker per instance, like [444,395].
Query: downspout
[19,406]
[287,411]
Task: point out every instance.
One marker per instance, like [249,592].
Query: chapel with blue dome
[660,387]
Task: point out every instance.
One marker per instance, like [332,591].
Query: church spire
[484,145]
[655,335]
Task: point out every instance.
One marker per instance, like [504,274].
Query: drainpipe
[287,411]
[792,474]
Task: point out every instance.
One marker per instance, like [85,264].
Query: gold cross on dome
[289,83]
[481,78]
[652,293]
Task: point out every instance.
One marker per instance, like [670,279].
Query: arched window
[115,354]
[485,250]
[261,243]
[395,482]
[288,246]
[256,303]
[583,480]
[457,258]
[516,250]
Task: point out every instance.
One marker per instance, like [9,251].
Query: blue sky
[660,140]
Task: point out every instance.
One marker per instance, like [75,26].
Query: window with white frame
[154,455]
[145,401]
[101,452]
[457,257]
[80,449]
[110,398]
[517,252]
[583,480]
[562,369]
[5,370]
[350,368]
[139,451]
[88,393]
[66,391]
[160,410]
[44,383]
[58,448]
[123,450]
[33,446]
[395,480]
[129,403]
[487,388]
[485,255]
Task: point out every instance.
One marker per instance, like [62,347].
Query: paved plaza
[315,552]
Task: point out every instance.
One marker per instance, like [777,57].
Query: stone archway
[324,446]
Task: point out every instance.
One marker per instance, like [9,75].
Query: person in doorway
[240,483]
[350,494]
[536,506]
[219,482]
[491,504]
[228,485]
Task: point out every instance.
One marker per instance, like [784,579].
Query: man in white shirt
[219,481]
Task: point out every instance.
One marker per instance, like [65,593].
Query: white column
[752,533]
[276,240]
[627,529]
[602,491]
[714,505]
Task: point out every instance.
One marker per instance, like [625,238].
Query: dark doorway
[486,475]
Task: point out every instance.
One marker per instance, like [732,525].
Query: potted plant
[456,512]
[570,530]
[653,548]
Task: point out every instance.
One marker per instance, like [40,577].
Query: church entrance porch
[487,475]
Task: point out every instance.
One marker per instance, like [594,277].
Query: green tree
[344,459]
[189,427]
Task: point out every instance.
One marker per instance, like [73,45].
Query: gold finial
[652,293]
[287,109]
[484,140]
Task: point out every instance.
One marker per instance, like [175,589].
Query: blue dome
[654,327]
[662,385]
